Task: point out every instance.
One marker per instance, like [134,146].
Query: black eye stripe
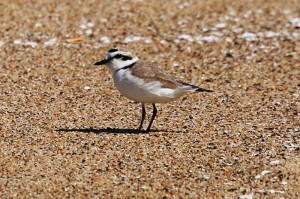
[118,56]
[126,58]
[113,50]
[123,57]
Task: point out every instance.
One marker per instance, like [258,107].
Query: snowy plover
[144,82]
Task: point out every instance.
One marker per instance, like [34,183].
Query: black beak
[101,62]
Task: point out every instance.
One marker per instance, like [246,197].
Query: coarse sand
[66,132]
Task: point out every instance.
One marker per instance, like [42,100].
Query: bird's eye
[118,56]
[125,58]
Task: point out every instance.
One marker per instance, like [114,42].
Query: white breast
[137,90]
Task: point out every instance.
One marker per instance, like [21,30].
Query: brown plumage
[149,72]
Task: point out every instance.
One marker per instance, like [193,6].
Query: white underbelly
[137,90]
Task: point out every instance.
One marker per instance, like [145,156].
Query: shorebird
[144,82]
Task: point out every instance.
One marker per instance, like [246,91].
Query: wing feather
[150,72]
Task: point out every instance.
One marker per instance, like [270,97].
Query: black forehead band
[113,50]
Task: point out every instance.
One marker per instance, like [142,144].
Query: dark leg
[143,116]
[152,118]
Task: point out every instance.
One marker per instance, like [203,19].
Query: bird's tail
[203,90]
[188,87]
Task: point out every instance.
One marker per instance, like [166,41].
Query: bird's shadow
[108,131]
